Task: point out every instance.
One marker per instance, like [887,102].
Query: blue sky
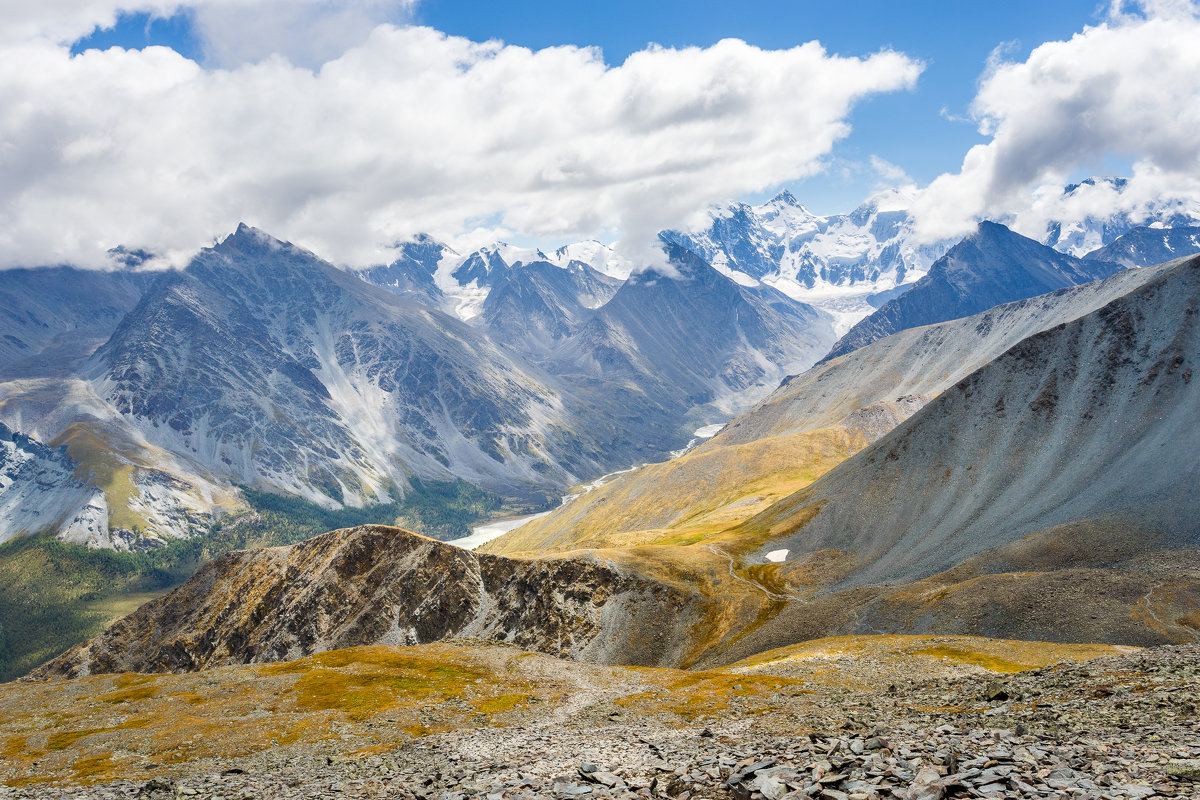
[925,132]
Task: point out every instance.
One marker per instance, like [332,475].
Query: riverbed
[481,534]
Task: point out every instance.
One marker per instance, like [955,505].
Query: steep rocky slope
[991,267]
[273,368]
[39,491]
[1089,423]
[51,319]
[1144,246]
[535,307]
[381,585]
[686,335]
[808,425]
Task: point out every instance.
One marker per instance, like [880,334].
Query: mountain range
[1045,495]
[145,408]
[261,365]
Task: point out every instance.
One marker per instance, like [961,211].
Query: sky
[347,126]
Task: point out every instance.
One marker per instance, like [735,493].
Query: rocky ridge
[1078,424]
[382,585]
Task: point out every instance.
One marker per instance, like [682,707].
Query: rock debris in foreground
[1116,727]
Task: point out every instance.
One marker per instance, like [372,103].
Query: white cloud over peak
[411,130]
[1126,89]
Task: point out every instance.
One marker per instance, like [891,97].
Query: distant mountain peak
[249,236]
[785,198]
[1115,183]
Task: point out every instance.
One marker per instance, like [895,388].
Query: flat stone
[1184,768]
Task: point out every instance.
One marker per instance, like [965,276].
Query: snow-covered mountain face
[1085,233]
[1142,247]
[435,274]
[38,492]
[850,264]
[835,263]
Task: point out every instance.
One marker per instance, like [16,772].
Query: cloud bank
[1127,89]
[410,130]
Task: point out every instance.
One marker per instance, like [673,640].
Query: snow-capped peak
[598,256]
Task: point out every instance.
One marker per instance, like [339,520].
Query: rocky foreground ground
[837,723]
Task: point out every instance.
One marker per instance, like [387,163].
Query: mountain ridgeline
[993,266]
[261,365]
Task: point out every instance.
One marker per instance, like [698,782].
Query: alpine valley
[801,473]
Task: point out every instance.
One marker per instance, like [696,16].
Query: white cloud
[1128,89]
[411,130]
[307,32]
[889,175]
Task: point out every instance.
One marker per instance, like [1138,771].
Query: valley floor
[849,717]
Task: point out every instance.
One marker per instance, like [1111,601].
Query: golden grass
[93,767]
[129,695]
[924,654]
[501,703]
[698,695]
[105,466]
[686,501]
[73,731]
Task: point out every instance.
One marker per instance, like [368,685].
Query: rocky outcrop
[382,585]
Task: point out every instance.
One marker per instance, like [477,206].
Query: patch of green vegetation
[54,595]
[439,509]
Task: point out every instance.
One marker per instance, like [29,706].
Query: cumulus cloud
[308,32]
[411,130]
[1128,88]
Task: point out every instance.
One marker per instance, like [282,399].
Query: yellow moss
[696,694]
[14,747]
[500,703]
[97,766]
[64,739]
[989,662]
[129,695]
